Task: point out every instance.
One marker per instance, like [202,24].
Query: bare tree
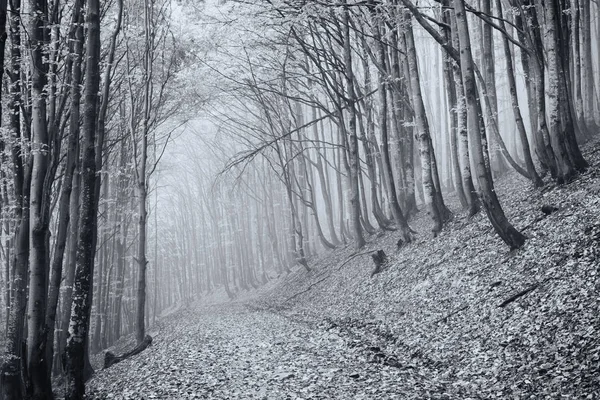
[82,292]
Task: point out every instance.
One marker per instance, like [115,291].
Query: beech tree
[205,149]
[77,338]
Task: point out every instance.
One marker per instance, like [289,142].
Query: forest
[161,156]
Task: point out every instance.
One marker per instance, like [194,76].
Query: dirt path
[231,352]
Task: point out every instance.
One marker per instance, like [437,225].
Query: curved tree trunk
[533,175]
[502,226]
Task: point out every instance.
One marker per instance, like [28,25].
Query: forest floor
[458,316]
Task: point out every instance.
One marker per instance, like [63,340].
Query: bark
[66,188]
[82,296]
[295,231]
[301,176]
[488,62]
[271,233]
[564,167]
[526,37]
[438,198]
[102,114]
[38,383]
[142,184]
[67,297]
[121,254]
[10,373]
[340,187]
[422,124]
[462,129]
[512,83]
[10,379]
[569,126]
[325,188]
[110,359]
[451,95]
[399,217]
[405,133]
[354,169]
[587,72]
[576,66]
[102,269]
[312,204]
[304,191]
[477,133]
[371,148]
[3,37]
[140,331]
[544,150]
[597,82]
[365,214]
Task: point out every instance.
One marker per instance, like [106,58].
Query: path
[230,352]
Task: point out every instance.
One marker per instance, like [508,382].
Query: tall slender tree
[82,292]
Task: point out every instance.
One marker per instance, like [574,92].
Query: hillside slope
[453,317]
[468,317]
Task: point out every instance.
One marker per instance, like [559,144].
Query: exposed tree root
[110,359]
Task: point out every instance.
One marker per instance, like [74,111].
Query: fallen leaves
[429,326]
[440,298]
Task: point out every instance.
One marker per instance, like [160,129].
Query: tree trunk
[544,150]
[67,185]
[512,84]
[488,61]
[513,238]
[404,135]
[451,94]
[576,66]
[422,124]
[587,71]
[10,373]
[10,379]
[354,169]
[371,148]
[325,189]
[121,254]
[142,184]
[462,129]
[82,296]
[39,209]
[399,217]
[565,168]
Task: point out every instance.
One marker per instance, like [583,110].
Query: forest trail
[455,317]
[230,351]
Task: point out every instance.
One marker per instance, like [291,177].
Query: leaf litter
[458,316]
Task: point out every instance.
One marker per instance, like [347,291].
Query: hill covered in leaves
[458,316]
[463,315]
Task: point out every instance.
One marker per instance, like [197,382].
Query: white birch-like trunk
[422,124]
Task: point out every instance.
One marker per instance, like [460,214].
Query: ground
[233,352]
[458,316]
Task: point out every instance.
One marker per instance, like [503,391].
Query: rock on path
[231,352]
